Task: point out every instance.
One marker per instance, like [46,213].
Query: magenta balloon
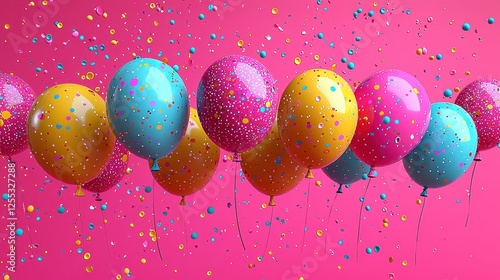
[16,98]
[481,99]
[112,173]
[394,113]
[237,102]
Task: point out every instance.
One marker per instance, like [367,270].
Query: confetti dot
[466,26]
[448,93]
[491,20]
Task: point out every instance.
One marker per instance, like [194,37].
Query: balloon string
[359,219]
[236,208]
[470,192]
[81,221]
[329,215]
[154,221]
[418,230]
[185,230]
[269,231]
[105,235]
[18,179]
[307,214]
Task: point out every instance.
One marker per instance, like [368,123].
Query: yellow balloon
[69,134]
[317,118]
[191,165]
[270,169]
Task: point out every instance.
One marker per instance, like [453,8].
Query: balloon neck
[79,192]
[155,166]
[372,173]
[424,192]
[10,159]
[309,174]
[236,157]
[183,201]
[271,201]
[478,157]
[98,197]
[339,190]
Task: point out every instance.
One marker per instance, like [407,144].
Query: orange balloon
[191,165]
[69,134]
[317,118]
[270,169]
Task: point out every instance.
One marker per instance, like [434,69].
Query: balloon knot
[309,174]
[477,157]
[183,201]
[372,173]
[98,197]
[271,201]
[155,166]
[236,157]
[339,190]
[424,192]
[79,192]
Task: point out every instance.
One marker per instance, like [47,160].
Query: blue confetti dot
[343,59]
[386,119]
[194,235]
[5,196]
[201,16]
[148,189]
[210,210]
[383,196]
[369,250]
[447,92]
[355,14]
[491,20]
[350,65]
[364,176]
[263,54]
[466,27]
[192,50]
[61,209]
[91,226]
[175,67]
[376,248]
[321,35]
[359,10]
[439,56]
[358,38]
[19,232]
[382,10]
[104,207]
[172,22]
[213,36]
[371,13]
[368,208]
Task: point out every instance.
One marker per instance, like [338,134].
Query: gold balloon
[191,165]
[317,118]
[270,169]
[69,134]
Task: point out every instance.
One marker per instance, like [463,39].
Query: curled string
[329,215]
[18,179]
[359,219]
[154,221]
[470,191]
[105,235]
[307,214]
[418,230]
[269,231]
[236,208]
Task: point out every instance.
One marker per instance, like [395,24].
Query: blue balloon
[447,149]
[148,108]
[347,169]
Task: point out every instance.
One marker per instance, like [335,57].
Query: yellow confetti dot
[431,57]
[131,225]
[86,256]
[158,127]
[125,158]
[97,89]
[6,115]
[7,26]
[78,242]
[318,183]
[391,259]
[152,233]
[150,40]
[287,40]
[456,89]
[1,123]
[301,278]
[316,57]
[141,214]
[126,270]
[319,233]
[209,273]
[30,208]
[114,42]
[128,171]
[403,218]
[181,246]
[489,106]
[415,90]
[264,206]
[89,269]
[381,113]
[60,25]
[141,234]
[386,220]
[156,23]
[244,120]
[376,87]
[202,215]
[89,75]
[339,266]
[386,225]
[123,15]
[89,238]
[90,17]
[404,263]
[112,31]
[45,2]
[251,265]
[419,51]
[375,4]
[143,260]
[152,5]
[268,104]
[453,50]
[32,4]
[419,201]
[240,43]
[274,11]
[105,15]
[142,199]
[467,73]
[118,277]
[297,61]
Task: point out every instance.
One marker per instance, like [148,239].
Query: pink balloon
[112,173]
[481,99]
[237,103]
[16,98]
[394,113]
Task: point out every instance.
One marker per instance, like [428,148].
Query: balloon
[237,103]
[270,169]
[148,108]
[191,165]
[394,112]
[69,133]
[112,173]
[447,149]
[347,169]
[481,99]
[317,118]
[16,98]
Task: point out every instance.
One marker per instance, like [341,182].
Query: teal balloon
[347,169]
[447,149]
[148,107]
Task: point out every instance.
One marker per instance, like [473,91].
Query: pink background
[446,250]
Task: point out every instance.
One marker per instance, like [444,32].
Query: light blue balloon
[148,108]
[347,169]
[447,149]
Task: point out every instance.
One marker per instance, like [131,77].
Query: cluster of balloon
[16,98]
[270,169]
[148,108]
[317,118]
[112,174]
[481,99]
[445,152]
[346,170]
[237,102]
[394,112]
[191,165]
[69,134]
